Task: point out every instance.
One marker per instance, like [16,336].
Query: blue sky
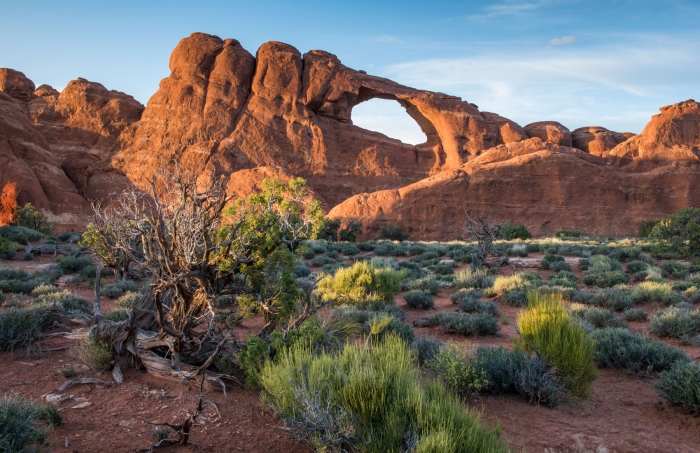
[608,63]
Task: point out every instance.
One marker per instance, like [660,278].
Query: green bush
[637,266]
[620,348]
[389,249]
[24,425]
[412,270]
[442,269]
[21,328]
[635,314]
[606,279]
[518,250]
[392,233]
[679,234]
[419,299]
[390,315]
[516,298]
[429,284]
[71,265]
[8,249]
[66,301]
[323,260]
[512,371]
[677,322]
[465,323]
[597,317]
[555,263]
[455,370]
[645,227]
[681,386]
[652,292]
[480,279]
[511,231]
[118,289]
[371,399]
[426,348]
[128,300]
[20,235]
[427,258]
[28,217]
[117,315]
[96,354]
[568,234]
[361,283]
[44,289]
[546,328]
[674,269]
[503,284]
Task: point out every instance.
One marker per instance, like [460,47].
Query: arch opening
[387,117]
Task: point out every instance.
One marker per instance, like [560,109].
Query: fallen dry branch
[86,381]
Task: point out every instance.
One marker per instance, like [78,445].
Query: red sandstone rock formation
[549,131]
[596,140]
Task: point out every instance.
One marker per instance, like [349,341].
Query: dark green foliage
[465,323]
[426,258]
[392,233]
[620,348]
[563,278]
[419,299]
[674,269]
[606,279]
[20,234]
[97,354]
[442,269]
[640,276]
[161,433]
[470,305]
[333,230]
[349,249]
[68,371]
[117,315]
[389,249]
[88,273]
[583,263]
[637,266]
[616,298]
[511,231]
[20,328]
[367,246]
[28,217]
[427,348]
[323,260]
[645,227]
[681,386]
[117,289]
[517,298]
[679,234]
[465,278]
[555,263]
[71,265]
[598,317]
[329,230]
[350,232]
[634,314]
[412,270]
[512,371]
[24,425]
[568,234]
[453,367]
[8,249]
[533,247]
[301,270]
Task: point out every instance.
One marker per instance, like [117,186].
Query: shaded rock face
[596,140]
[82,126]
[16,84]
[672,135]
[26,159]
[550,131]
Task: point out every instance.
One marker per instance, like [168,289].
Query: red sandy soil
[623,413]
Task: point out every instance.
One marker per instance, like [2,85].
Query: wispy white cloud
[563,40]
[511,8]
[618,86]
[388,38]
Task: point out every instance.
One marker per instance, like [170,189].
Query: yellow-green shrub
[361,283]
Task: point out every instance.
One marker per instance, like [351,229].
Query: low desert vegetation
[620,348]
[24,425]
[681,386]
[419,299]
[464,323]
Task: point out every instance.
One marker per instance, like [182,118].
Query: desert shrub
[568,234]
[367,246]
[349,249]
[88,273]
[21,328]
[470,305]
[419,299]
[389,249]
[545,327]
[8,249]
[323,260]
[596,317]
[516,298]
[518,250]
[617,298]
[117,289]
[652,292]
[461,253]
[305,251]
[465,323]
[513,371]
[602,263]
[679,234]
[44,289]
[533,247]
[426,259]
[640,276]
[554,262]
[442,269]
[319,247]
[69,236]
[389,316]
[412,270]
[368,399]
[677,322]
[117,315]
[28,217]
[454,368]
[429,284]
[464,294]
[426,348]
[392,233]
[20,234]
[674,269]
[634,314]
[563,278]
[301,270]
[637,266]
[681,386]
[645,227]
[129,299]
[71,265]
[606,279]
[511,231]
[620,348]
[24,425]
[503,284]
[97,354]
[479,279]
[625,254]
[361,283]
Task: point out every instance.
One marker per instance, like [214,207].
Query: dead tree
[484,231]
[195,245]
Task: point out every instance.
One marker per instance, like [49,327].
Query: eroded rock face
[550,131]
[596,140]
[672,135]
[508,131]
[16,84]
[82,126]
[25,158]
